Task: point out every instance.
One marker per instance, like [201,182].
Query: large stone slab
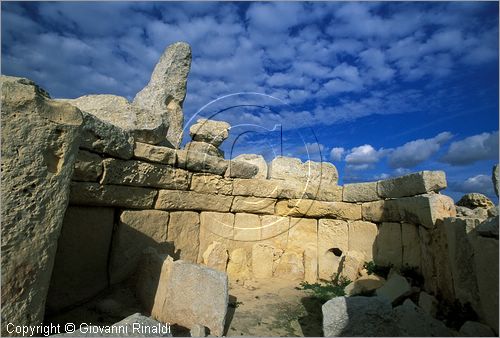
[290,266]
[426,209]
[303,231]
[315,173]
[191,200]
[258,205]
[389,245]
[199,162]
[184,232]
[137,230]
[247,228]
[411,245]
[475,200]
[274,230]
[151,153]
[412,321]
[257,187]
[351,264]
[360,192]
[412,184]
[239,169]
[144,174]
[333,241]
[164,94]
[211,184]
[395,289]
[262,260]
[81,263]
[258,161]
[210,131]
[239,265]
[362,238]
[95,194]
[88,167]
[216,256]
[381,211]
[186,294]
[39,146]
[318,209]
[203,148]
[215,226]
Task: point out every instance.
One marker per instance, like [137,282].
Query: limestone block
[247,227]
[308,189]
[209,131]
[411,245]
[333,241]
[211,184]
[290,266]
[488,228]
[191,200]
[184,293]
[164,94]
[274,230]
[144,174]
[88,167]
[389,245]
[396,288]
[256,187]
[204,148]
[427,260]
[198,331]
[360,192]
[412,184]
[39,145]
[286,168]
[238,266]
[103,137]
[262,260]
[151,153]
[321,173]
[311,263]
[426,209]
[364,284]
[351,264]
[184,232]
[302,232]
[475,200]
[257,160]
[80,267]
[238,169]
[199,162]
[216,256]
[475,329]
[428,303]
[258,205]
[94,194]
[215,226]
[318,209]
[362,237]
[137,230]
[381,211]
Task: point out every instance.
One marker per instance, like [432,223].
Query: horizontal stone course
[360,192]
[318,209]
[211,184]
[151,153]
[257,187]
[88,167]
[191,200]
[412,184]
[258,205]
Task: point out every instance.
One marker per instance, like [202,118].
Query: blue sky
[377,88]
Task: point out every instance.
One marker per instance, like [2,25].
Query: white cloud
[363,157]
[472,149]
[415,152]
[337,153]
[479,183]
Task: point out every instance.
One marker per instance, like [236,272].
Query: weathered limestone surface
[164,94]
[290,266]
[211,184]
[215,226]
[186,294]
[412,184]
[258,205]
[88,167]
[350,265]
[39,149]
[302,232]
[411,321]
[362,237]
[137,230]
[332,236]
[318,209]
[239,169]
[364,284]
[381,211]
[144,174]
[311,263]
[203,148]
[286,168]
[274,230]
[238,267]
[411,245]
[191,200]
[94,194]
[488,228]
[257,187]
[151,153]
[210,131]
[495,177]
[184,231]
[395,288]
[389,245]
[360,192]
[216,256]
[257,160]
[247,227]
[198,162]
[262,260]
[80,267]
[426,209]
[475,200]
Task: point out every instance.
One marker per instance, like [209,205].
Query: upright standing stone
[39,149]
[209,131]
[495,176]
[166,90]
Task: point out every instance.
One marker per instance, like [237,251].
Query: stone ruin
[96,191]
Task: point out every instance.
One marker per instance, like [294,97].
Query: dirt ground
[266,307]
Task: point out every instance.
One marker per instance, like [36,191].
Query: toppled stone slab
[151,153]
[257,160]
[185,293]
[95,194]
[351,264]
[479,213]
[357,317]
[428,303]
[209,131]
[211,184]
[411,321]
[475,200]
[475,329]
[413,184]
[88,167]
[318,209]
[198,162]
[191,200]
[164,94]
[396,288]
[39,145]
[204,148]
[488,228]
[144,174]
[239,169]
[426,209]
[364,284]
[258,205]
[360,192]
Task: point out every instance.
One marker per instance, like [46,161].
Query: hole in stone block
[336,251]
